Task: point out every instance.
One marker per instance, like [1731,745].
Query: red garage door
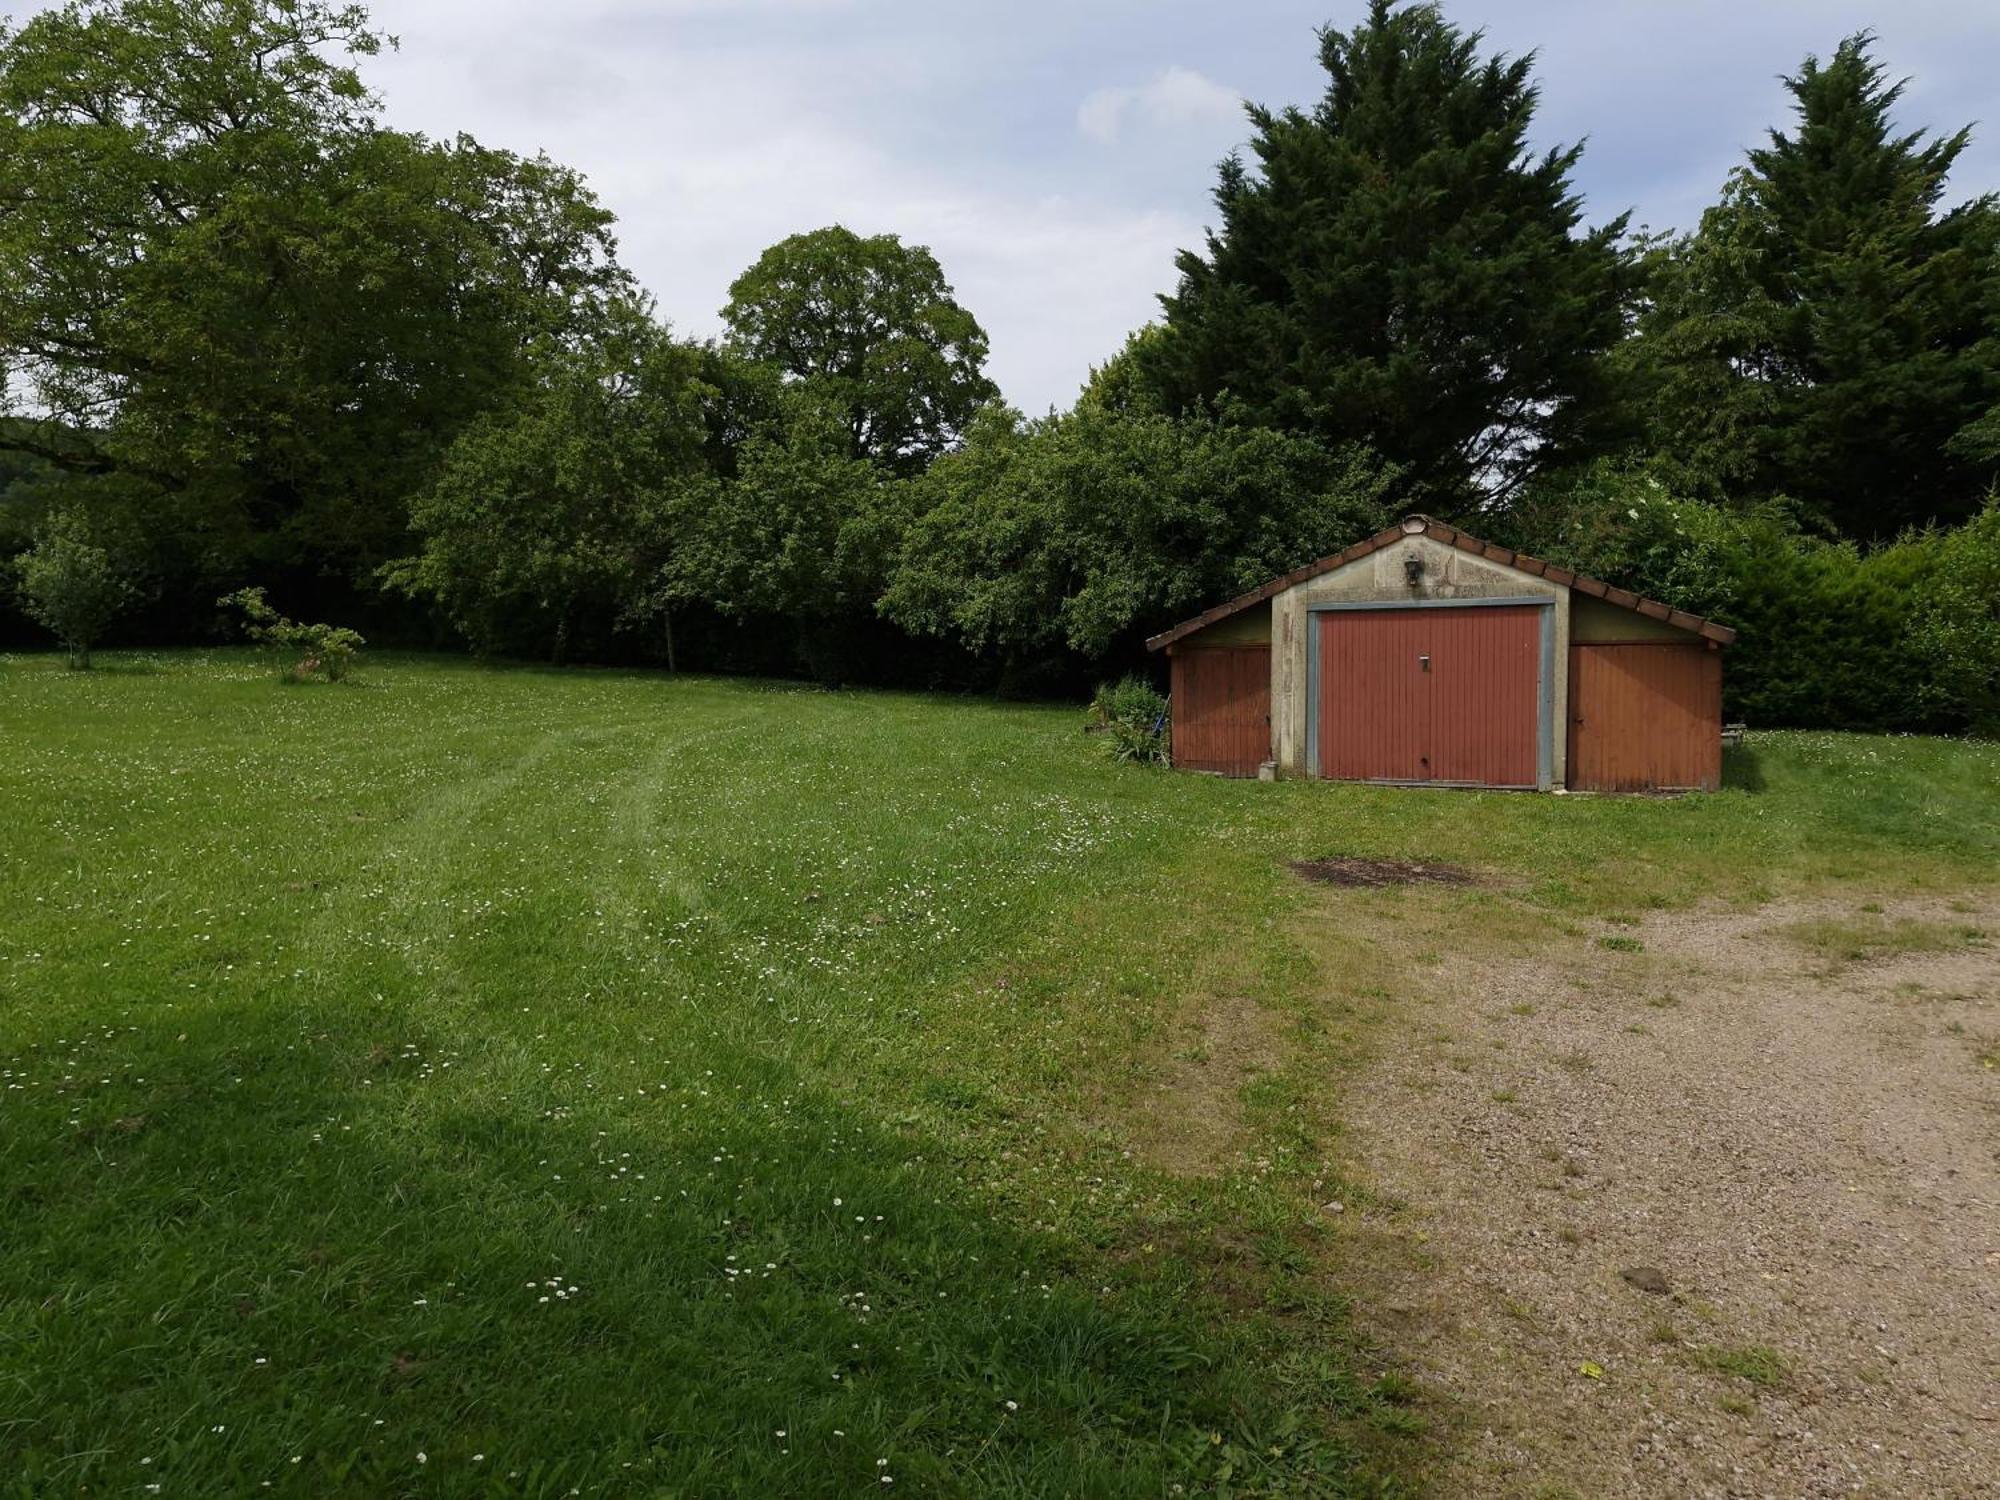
[1222,709]
[1645,715]
[1437,694]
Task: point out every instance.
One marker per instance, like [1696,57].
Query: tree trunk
[561,648]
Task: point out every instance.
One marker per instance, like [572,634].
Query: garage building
[1424,655]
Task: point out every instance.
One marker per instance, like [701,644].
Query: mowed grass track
[488,1081]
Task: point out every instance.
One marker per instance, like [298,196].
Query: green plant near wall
[1133,716]
[303,651]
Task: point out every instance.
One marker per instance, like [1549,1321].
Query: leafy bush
[1623,523]
[1957,623]
[1830,636]
[1133,716]
[71,584]
[1067,538]
[312,650]
[1825,633]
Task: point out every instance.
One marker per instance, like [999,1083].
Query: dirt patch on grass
[1189,1120]
[1379,872]
[1702,1215]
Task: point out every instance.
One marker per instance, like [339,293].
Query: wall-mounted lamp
[1413,570]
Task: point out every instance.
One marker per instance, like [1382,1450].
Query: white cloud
[708,153]
[1057,281]
[1178,96]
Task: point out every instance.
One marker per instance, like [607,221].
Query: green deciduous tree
[555,513]
[1402,270]
[800,537]
[221,277]
[1074,536]
[70,582]
[873,326]
[1832,333]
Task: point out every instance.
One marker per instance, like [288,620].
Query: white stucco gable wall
[1449,572]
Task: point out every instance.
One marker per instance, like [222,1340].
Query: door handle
[1426,661]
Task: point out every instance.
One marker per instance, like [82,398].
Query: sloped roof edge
[1438,531]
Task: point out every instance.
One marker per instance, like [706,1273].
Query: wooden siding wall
[1222,708]
[1645,715]
[1438,694]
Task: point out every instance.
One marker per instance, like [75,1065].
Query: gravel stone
[1813,1144]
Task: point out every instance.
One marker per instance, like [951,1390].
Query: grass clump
[1839,941]
[1755,1363]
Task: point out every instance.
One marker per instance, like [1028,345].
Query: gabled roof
[1452,536]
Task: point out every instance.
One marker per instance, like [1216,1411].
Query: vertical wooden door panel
[1373,723]
[1486,676]
[1644,716]
[1222,709]
[1437,694]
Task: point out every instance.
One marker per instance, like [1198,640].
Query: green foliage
[1831,635]
[1120,384]
[303,651]
[1133,715]
[70,582]
[1957,624]
[802,528]
[872,325]
[1825,631]
[1078,534]
[222,279]
[1624,522]
[1402,270]
[1831,333]
[800,537]
[557,512]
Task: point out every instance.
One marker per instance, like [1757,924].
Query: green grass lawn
[496,1081]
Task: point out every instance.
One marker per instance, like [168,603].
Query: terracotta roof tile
[1439,531]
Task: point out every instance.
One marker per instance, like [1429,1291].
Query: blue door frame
[1544,692]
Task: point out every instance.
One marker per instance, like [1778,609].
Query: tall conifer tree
[1403,270]
[1830,332]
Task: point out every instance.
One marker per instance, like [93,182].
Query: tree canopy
[1402,270]
[224,282]
[1831,332]
[872,324]
[557,512]
[1074,536]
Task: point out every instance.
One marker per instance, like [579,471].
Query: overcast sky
[1055,153]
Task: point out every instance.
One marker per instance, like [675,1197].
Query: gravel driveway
[1706,1205]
